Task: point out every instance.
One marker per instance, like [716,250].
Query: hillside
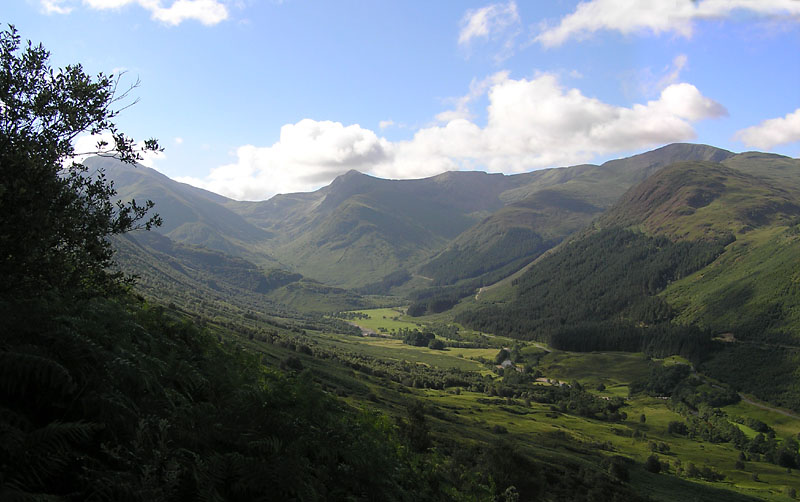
[701,200]
[361,229]
[201,280]
[190,215]
[548,206]
[698,249]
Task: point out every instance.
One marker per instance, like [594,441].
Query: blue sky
[252,98]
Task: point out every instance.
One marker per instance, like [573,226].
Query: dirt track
[768,408]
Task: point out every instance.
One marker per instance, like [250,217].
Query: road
[765,407]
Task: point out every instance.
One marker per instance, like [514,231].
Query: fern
[25,374]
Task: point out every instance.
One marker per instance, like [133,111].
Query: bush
[652,464]
[436,344]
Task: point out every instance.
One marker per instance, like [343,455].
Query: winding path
[768,408]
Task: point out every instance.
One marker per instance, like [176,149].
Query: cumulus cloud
[308,154]
[531,123]
[675,16]
[87,145]
[772,132]
[208,12]
[477,88]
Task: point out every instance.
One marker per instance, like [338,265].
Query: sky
[250,98]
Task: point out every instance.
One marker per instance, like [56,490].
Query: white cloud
[86,146]
[674,73]
[208,12]
[383,124]
[487,21]
[477,88]
[308,154]
[676,16]
[55,7]
[178,140]
[772,132]
[532,123]
[497,22]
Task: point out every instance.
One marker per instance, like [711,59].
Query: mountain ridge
[360,229]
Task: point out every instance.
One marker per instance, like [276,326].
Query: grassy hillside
[543,209]
[193,276]
[746,289]
[360,229]
[190,215]
[703,200]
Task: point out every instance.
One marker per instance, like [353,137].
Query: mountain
[701,199]
[359,230]
[189,275]
[191,215]
[697,249]
[547,206]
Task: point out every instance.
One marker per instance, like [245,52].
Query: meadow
[546,432]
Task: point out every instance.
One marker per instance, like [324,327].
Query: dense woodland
[515,248]
[598,293]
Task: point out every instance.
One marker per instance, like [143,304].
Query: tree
[501,356]
[436,344]
[652,464]
[57,215]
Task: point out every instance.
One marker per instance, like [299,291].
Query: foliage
[511,251]
[597,295]
[418,338]
[57,215]
[106,398]
[146,407]
[396,278]
[652,464]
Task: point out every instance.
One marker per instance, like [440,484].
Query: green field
[559,437]
[390,319]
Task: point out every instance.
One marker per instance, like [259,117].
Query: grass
[390,319]
[593,368]
[762,264]
[553,437]
[784,426]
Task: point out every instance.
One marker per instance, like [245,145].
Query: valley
[572,316]
[466,397]
[400,252]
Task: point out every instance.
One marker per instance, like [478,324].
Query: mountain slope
[190,215]
[702,199]
[457,226]
[547,206]
[171,272]
[755,278]
[698,247]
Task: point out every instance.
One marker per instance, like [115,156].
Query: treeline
[436,300]
[601,286]
[699,402]
[659,340]
[516,247]
[382,287]
[739,364]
